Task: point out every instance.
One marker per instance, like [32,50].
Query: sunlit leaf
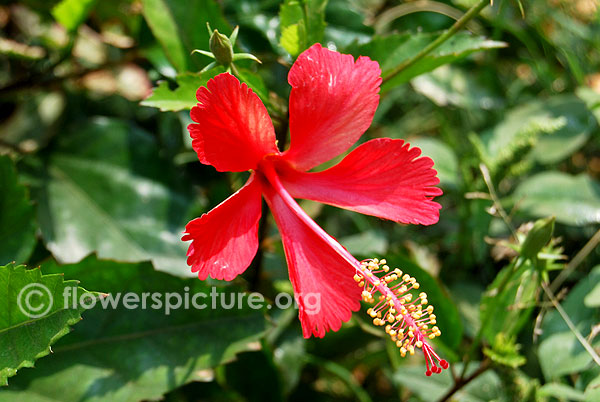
[33,316]
[574,200]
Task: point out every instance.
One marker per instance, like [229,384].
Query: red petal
[235,130]
[225,240]
[382,177]
[332,104]
[321,270]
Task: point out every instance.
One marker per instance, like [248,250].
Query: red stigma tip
[428,373]
[444,364]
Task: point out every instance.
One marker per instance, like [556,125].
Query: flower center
[406,321]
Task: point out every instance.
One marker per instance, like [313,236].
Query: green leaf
[72,13]
[302,23]
[448,319]
[122,354]
[560,352]
[450,85]
[106,190]
[164,27]
[509,300]
[574,200]
[179,26]
[560,391]
[33,316]
[505,351]
[591,99]
[564,120]
[17,216]
[366,243]
[592,299]
[446,162]
[390,51]
[181,98]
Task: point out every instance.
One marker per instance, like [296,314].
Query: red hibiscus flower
[332,103]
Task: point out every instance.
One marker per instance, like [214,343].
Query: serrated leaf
[574,200]
[390,51]
[17,216]
[33,316]
[505,351]
[123,355]
[72,13]
[106,190]
[181,98]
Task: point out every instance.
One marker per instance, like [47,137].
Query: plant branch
[458,25]
[570,324]
[461,382]
[574,263]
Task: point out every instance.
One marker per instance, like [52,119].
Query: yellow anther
[431,336]
[412,280]
[361,284]
[424,301]
[423,295]
[392,332]
[388,328]
[406,278]
[416,285]
[377,282]
[402,289]
[358,278]
[383,261]
[391,318]
[411,349]
[385,268]
[433,321]
[397,271]
[430,309]
[419,344]
[373,313]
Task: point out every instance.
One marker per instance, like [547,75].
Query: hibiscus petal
[332,104]
[234,130]
[321,270]
[225,240]
[382,177]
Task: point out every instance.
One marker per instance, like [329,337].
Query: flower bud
[221,48]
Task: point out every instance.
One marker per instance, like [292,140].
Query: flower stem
[458,25]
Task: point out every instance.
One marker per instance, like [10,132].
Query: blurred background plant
[98,179]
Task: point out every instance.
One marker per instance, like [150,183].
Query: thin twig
[570,324]
[458,25]
[574,263]
[488,182]
[461,382]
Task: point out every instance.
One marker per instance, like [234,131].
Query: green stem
[458,25]
[589,348]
